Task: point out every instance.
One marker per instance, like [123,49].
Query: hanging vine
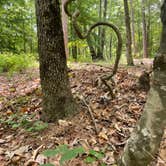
[74,18]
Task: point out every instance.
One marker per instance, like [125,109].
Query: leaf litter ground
[20,95]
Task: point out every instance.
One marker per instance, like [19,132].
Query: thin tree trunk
[133,28]
[110,44]
[144,31]
[65,28]
[128,35]
[57,98]
[149,28]
[99,51]
[103,37]
[145,140]
[91,48]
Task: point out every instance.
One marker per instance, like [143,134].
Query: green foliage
[68,154]
[94,156]
[16,120]
[81,59]
[17,26]
[15,63]
[46,165]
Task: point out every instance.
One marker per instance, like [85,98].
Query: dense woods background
[18,28]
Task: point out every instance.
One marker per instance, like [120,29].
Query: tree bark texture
[57,98]
[145,140]
[128,34]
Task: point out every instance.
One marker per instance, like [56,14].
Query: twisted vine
[74,17]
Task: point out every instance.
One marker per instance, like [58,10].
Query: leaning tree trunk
[145,140]
[128,35]
[57,98]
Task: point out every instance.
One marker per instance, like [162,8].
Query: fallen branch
[90,110]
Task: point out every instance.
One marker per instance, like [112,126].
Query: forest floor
[23,137]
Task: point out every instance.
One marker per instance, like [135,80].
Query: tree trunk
[91,48]
[74,52]
[149,29]
[144,31]
[103,37]
[110,48]
[145,139]
[57,98]
[99,49]
[128,35]
[65,31]
[133,28]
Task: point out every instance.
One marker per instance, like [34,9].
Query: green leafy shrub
[68,154]
[16,120]
[15,63]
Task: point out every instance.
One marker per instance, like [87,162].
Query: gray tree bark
[145,140]
[57,98]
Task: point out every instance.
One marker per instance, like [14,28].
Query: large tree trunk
[128,35]
[144,31]
[145,139]
[57,98]
[65,30]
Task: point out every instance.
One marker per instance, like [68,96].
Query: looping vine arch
[74,17]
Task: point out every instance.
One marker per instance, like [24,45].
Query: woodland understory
[114,119]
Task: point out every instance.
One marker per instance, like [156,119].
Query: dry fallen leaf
[103,135]
[2,141]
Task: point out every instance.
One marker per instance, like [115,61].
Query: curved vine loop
[74,17]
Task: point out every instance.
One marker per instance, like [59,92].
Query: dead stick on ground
[91,114]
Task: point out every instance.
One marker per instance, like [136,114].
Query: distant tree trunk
[57,98]
[149,29]
[133,28]
[99,49]
[24,37]
[74,52]
[110,46]
[91,48]
[144,31]
[65,31]
[128,35]
[73,39]
[103,37]
[145,140]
